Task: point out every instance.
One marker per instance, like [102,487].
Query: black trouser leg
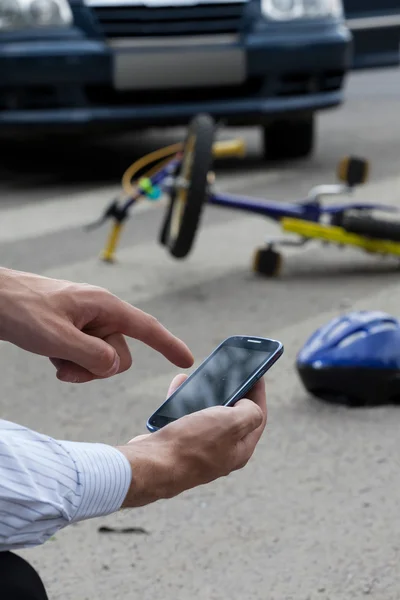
[19,580]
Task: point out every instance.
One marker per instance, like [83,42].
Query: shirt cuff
[104,478]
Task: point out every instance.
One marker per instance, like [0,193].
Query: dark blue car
[375,26]
[94,65]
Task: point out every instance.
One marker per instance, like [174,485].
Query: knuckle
[256,418]
[105,356]
[238,425]
[82,287]
[151,321]
[87,294]
[100,292]
[227,468]
[95,291]
[253,420]
[217,414]
[242,459]
[242,462]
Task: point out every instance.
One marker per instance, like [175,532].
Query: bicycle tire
[178,233]
[372,227]
[163,234]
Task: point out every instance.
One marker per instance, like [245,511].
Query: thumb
[175,383]
[249,417]
[139,438]
[91,353]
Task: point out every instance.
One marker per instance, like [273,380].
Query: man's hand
[80,327]
[195,449]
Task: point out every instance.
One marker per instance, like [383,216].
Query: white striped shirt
[46,484]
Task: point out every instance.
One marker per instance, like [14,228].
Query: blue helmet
[354,359]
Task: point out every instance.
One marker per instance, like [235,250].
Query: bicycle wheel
[182,217]
[372,227]
[163,235]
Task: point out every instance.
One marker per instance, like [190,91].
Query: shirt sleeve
[46,484]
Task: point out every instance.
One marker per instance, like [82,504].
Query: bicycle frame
[309,209]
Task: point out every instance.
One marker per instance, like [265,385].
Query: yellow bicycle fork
[108,253]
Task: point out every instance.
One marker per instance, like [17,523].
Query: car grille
[138,21]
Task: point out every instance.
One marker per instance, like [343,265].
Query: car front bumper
[80,82]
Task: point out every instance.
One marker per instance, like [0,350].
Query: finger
[141,326]
[248,417]
[176,382]
[89,352]
[238,421]
[251,440]
[258,395]
[247,445]
[72,372]
[69,372]
[138,438]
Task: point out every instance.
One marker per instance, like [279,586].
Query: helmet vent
[340,327]
[350,339]
[386,326]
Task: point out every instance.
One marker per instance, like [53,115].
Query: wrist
[4,274]
[152,475]
[7,301]
[18,303]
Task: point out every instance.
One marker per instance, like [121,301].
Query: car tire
[289,138]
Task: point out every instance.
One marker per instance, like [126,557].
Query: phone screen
[217,380]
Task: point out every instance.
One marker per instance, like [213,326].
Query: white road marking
[144,271]
[76,210]
[51,216]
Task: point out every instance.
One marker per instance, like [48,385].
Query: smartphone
[222,379]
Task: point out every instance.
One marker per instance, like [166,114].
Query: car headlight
[287,10]
[25,14]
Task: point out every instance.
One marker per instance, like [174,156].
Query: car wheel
[289,138]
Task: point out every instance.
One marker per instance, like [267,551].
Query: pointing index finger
[141,326]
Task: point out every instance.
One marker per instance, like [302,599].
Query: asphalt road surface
[315,515]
